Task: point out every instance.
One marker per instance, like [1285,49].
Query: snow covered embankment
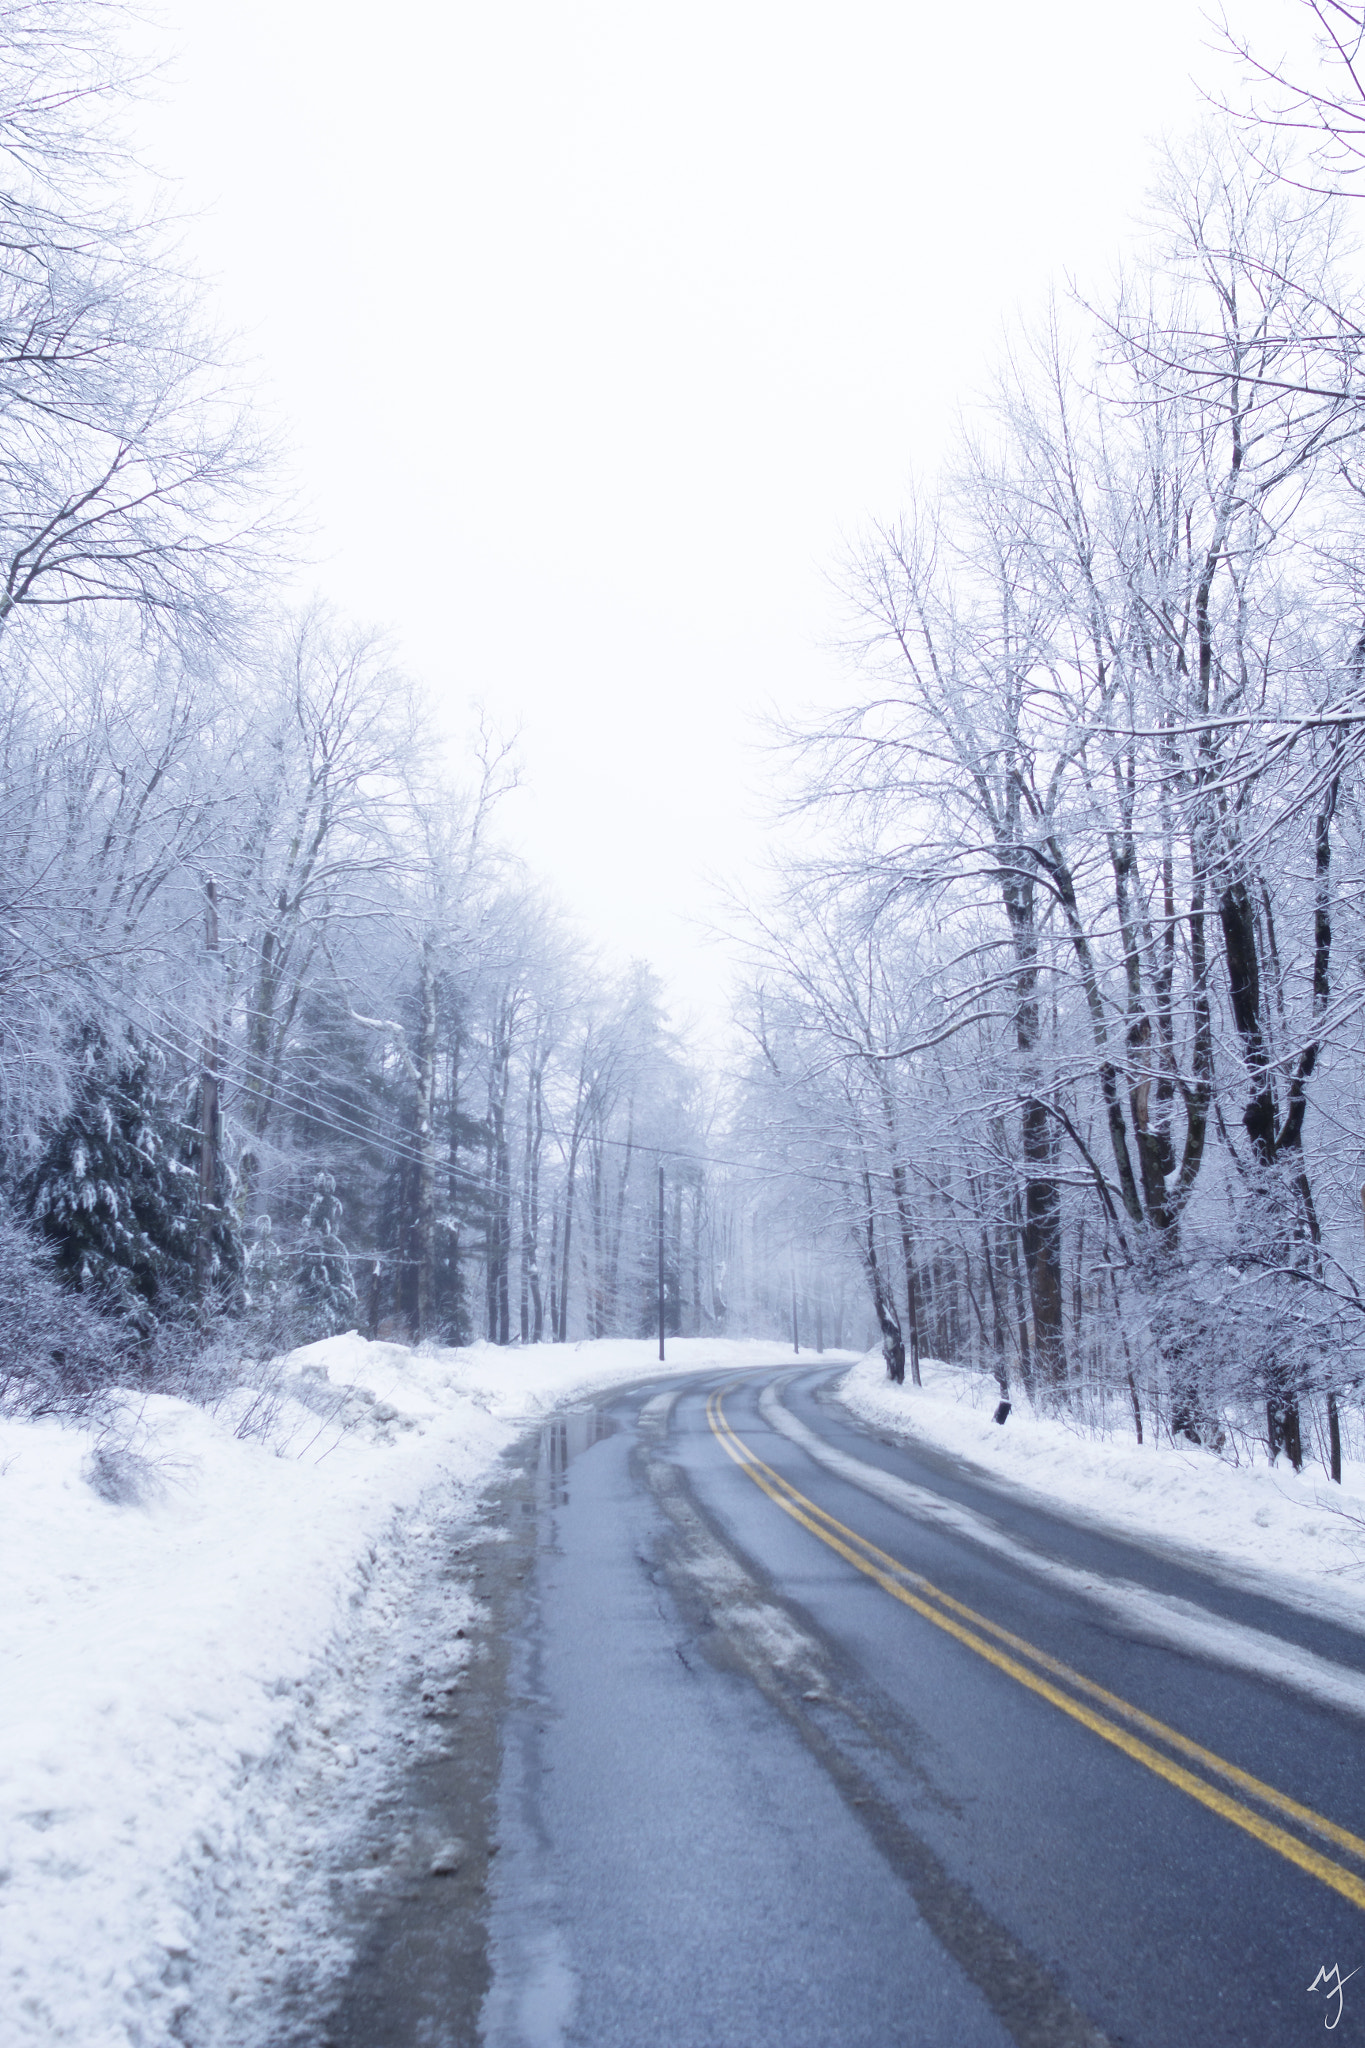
[1294,1536]
[171,1608]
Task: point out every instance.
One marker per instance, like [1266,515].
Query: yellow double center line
[1047,1677]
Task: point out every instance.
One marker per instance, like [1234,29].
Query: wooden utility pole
[661,1262]
[209,1108]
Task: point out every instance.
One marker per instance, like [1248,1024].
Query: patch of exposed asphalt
[735,1617]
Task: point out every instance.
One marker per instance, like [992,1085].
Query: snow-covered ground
[1296,1536]
[185,1603]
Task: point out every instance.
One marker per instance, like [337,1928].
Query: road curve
[819,1740]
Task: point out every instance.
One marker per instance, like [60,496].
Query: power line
[249,1072]
[239,1065]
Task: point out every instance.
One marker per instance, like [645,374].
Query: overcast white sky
[596,322]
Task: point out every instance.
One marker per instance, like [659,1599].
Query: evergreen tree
[114,1193]
[322,1272]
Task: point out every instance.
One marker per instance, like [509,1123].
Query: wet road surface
[811,1739]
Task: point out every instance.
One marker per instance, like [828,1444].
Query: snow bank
[168,1594]
[1295,1536]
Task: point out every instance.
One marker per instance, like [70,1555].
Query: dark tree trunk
[1042,1231]
[908,1256]
[999,1323]
[901,1192]
[1012,1237]
[1042,1240]
[893,1344]
[1237,916]
[1244,993]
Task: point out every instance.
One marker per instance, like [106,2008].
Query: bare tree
[130,470]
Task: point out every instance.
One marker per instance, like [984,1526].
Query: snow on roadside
[171,1605]
[1293,1536]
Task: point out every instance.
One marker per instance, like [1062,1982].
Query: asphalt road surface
[807,1739]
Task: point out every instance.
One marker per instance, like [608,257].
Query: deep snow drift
[181,1605]
[1293,1535]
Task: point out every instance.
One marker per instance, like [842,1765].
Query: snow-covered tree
[113,1191]
[322,1266]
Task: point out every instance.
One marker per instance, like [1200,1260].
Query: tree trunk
[1012,1236]
[1042,1231]
[999,1322]
[210,1086]
[893,1344]
[530,1243]
[902,1198]
[424,1234]
[1237,916]
[562,1333]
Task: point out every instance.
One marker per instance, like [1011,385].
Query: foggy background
[595,326]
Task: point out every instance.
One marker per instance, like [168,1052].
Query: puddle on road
[564,1439]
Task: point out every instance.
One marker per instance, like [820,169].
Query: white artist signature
[1332,1984]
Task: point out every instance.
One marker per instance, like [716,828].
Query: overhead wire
[238,1067]
[249,1072]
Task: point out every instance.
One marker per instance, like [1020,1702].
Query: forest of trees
[1063,1013]
[1052,1029]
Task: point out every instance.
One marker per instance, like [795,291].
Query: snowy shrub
[122,1477]
[56,1355]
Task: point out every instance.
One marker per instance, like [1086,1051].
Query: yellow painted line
[1254,1787]
[812,1517]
